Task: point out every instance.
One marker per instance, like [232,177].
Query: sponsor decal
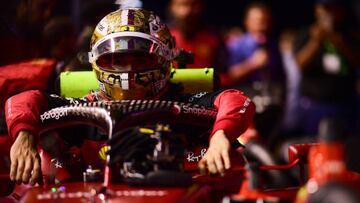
[102,152]
[191,157]
[102,27]
[57,163]
[197,96]
[57,114]
[176,109]
[246,104]
[200,111]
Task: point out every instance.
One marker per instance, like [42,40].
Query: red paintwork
[327,164]
[285,194]
[300,151]
[5,184]
[205,189]
[167,195]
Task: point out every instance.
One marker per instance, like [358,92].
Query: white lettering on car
[199,111]
[197,96]
[192,158]
[57,114]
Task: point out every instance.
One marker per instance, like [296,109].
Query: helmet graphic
[131,51]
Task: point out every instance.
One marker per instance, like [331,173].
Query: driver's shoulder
[203,98]
[207,99]
[55,100]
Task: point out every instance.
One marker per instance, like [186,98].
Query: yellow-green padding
[80,83]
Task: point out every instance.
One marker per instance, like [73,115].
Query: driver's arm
[235,114]
[22,113]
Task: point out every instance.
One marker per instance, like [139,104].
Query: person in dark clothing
[327,57]
[60,42]
[131,52]
[21,36]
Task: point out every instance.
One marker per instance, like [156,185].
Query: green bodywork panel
[79,83]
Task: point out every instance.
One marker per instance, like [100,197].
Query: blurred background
[297,60]
[220,16]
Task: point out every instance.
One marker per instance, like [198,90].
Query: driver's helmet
[131,52]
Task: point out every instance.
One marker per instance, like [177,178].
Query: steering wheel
[114,116]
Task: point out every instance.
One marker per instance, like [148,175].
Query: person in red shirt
[131,52]
[192,34]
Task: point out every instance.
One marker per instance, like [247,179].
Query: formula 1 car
[144,161]
[161,165]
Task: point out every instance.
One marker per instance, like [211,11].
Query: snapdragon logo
[54,114]
[200,111]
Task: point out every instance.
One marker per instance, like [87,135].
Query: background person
[193,34]
[327,57]
[254,65]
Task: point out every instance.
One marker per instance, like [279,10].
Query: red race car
[148,157]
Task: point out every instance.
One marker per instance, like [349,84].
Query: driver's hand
[25,160]
[216,158]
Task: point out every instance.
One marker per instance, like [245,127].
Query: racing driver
[131,51]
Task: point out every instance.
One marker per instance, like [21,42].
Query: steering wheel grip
[116,115]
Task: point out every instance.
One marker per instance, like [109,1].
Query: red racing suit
[235,110]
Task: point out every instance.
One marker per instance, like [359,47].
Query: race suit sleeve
[235,113]
[235,110]
[22,111]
